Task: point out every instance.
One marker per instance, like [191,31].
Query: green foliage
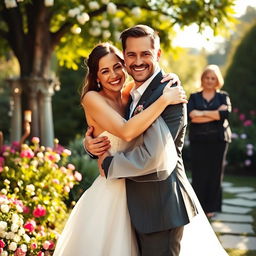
[162,15]
[240,79]
[68,113]
[38,181]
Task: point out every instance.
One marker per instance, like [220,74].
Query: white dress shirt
[137,93]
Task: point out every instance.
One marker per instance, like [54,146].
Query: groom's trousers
[164,243]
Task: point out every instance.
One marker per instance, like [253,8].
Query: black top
[211,131]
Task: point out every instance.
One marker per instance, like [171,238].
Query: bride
[99,224]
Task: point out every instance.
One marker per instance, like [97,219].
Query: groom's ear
[159,52]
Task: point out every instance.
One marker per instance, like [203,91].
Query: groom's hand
[100,161]
[95,146]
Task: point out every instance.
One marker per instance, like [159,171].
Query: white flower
[249,146]
[93,5]
[247,162]
[20,0]
[72,13]
[48,3]
[4,253]
[82,18]
[16,238]
[4,191]
[105,1]
[19,208]
[7,182]
[249,152]
[13,246]
[14,227]
[105,23]
[15,218]
[24,247]
[30,188]
[40,155]
[95,31]
[5,208]
[34,163]
[106,34]
[21,231]
[111,8]
[81,7]
[3,225]
[243,136]
[234,136]
[117,21]
[76,30]
[3,200]
[2,233]
[26,238]
[9,235]
[10,4]
[136,11]
[95,23]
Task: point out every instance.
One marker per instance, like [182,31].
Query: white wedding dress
[99,224]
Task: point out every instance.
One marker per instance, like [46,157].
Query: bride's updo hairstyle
[92,64]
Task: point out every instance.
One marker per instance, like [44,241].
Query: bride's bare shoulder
[91,97]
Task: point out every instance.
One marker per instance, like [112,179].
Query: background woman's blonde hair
[216,70]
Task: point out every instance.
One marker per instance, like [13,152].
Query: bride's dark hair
[92,64]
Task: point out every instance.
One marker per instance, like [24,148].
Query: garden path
[234,224]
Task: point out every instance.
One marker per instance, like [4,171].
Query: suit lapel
[148,92]
[127,109]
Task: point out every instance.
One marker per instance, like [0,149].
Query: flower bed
[35,182]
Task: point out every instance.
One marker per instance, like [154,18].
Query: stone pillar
[16,111]
[47,87]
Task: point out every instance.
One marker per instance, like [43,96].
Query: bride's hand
[100,161]
[174,95]
[172,78]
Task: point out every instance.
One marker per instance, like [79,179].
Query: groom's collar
[142,88]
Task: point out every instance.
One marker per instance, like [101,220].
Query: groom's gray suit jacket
[162,205]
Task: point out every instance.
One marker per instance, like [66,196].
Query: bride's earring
[98,84]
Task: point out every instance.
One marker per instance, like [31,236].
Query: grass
[242,181]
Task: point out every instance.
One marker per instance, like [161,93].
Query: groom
[160,209]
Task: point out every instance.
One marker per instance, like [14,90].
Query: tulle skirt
[99,224]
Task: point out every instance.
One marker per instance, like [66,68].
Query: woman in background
[209,135]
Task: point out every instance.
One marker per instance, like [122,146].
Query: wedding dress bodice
[117,144]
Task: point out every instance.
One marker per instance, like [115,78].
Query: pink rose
[39,211]
[248,123]
[33,246]
[30,226]
[52,245]
[19,252]
[78,176]
[26,209]
[2,244]
[46,245]
[28,153]
[35,140]
[40,253]
[71,167]
[242,117]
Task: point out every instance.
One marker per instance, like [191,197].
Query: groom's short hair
[140,31]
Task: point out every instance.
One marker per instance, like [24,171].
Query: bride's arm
[110,120]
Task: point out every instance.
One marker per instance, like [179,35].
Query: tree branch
[58,34]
